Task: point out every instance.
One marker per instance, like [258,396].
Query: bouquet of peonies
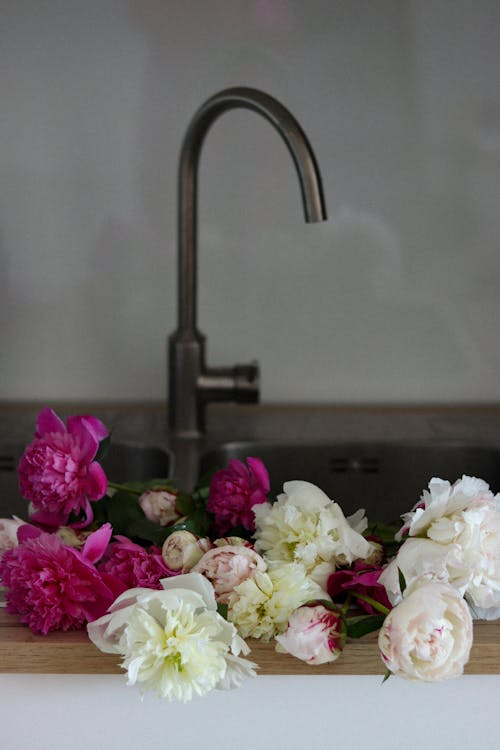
[173,582]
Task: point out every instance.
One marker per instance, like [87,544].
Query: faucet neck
[303,158]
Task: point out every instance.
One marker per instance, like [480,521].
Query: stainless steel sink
[123,463]
[386,479]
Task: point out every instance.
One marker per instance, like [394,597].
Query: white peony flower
[8,533]
[443,500]
[419,557]
[460,524]
[226,567]
[428,636]
[260,607]
[314,634]
[305,526]
[173,641]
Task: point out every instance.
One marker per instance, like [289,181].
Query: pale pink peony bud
[159,506]
[314,634]
[238,541]
[227,567]
[182,550]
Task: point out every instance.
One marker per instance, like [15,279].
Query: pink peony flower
[57,471]
[227,567]
[361,578]
[134,565]
[314,634]
[55,587]
[234,491]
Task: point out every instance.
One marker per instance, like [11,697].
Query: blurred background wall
[394,299]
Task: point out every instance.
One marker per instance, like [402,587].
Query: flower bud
[159,506]
[232,541]
[228,566]
[182,550]
[314,634]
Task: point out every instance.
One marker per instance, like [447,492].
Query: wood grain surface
[72,653]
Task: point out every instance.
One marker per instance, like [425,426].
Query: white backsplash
[395,299]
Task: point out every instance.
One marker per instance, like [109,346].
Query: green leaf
[205,479]
[121,510]
[184,503]
[387,674]
[359,626]
[402,580]
[147,531]
[103,449]
[222,610]
[384,531]
[138,488]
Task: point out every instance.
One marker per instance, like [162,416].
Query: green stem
[376,605]
[116,486]
[345,607]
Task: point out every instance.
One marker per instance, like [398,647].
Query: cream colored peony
[261,606]
[173,641]
[428,636]
[457,527]
[306,527]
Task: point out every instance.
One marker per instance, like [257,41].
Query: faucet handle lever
[239,384]
[247,383]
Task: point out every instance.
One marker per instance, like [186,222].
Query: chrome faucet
[191,383]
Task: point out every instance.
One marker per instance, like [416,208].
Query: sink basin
[386,479]
[123,463]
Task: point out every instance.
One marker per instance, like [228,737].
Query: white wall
[273,713]
[394,299]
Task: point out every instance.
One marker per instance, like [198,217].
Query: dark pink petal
[48,422]
[92,426]
[114,584]
[127,543]
[260,472]
[97,481]
[238,467]
[88,516]
[26,531]
[95,426]
[96,544]
[49,520]
[84,438]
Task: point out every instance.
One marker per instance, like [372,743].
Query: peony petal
[96,544]
[89,516]
[95,426]
[49,520]
[97,483]
[48,421]
[238,467]
[26,531]
[193,582]
[85,437]
[259,470]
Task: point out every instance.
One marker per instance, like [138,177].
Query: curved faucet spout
[191,383]
[300,150]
